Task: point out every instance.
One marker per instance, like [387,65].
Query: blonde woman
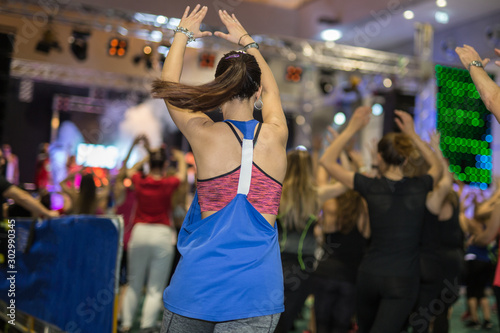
[298,215]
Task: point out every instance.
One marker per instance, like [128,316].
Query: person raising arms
[229,277]
[388,277]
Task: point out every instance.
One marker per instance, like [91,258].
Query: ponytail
[237,76]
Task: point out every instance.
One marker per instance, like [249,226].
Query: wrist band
[239,40]
[374,166]
[251,45]
[186,32]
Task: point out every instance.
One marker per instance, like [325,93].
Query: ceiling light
[331,35]
[442,17]
[441,3]
[408,14]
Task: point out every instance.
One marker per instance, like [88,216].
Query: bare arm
[25,200]
[436,197]
[330,191]
[359,119]
[487,88]
[272,111]
[488,235]
[185,120]
[405,123]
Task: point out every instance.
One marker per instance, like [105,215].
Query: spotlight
[48,42]
[441,3]
[377,109]
[146,55]
[339,119]
[293,73]
[442,17]
[78,42]
[408,15]
[117,47]
[331,35]
[326,81]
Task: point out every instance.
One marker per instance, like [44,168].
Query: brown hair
[395,148]
[349,209]
[417,166]
[237,76]
[299,199]
[87,198]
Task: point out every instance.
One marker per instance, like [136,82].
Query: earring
[257,105]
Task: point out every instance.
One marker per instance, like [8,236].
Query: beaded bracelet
[186,32]
[248,46]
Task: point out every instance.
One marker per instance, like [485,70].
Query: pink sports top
[265,192]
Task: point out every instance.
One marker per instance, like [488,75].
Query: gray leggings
[174,323]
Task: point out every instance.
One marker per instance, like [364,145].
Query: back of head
[87,201]
[157,158]
[299,198]
[237,77]
[395,148]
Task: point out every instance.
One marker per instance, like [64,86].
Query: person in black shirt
[388,278]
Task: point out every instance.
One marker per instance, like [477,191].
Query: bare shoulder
[270,151]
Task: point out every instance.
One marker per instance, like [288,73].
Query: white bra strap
[246,167]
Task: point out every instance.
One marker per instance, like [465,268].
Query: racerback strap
[248,129]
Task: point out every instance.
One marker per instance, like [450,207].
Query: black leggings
[384,302]
[431,279]
[298,285]
[478,276]
[334,305]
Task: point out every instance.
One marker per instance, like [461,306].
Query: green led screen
[464,124]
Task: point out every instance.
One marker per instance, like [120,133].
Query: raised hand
[497,52]
[360,117]
[234,28]
[193,21]
[467,54]
[435,140]
[405,122]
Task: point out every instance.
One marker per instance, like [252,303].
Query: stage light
[48,42]
[442,17]
[441,3]
[145,56]
[387,83]
[293,73]
[117,47]
[207,60]
[78,42]
[339,119]
[161,19]
[331,35]
[409,15]
[326,81]
[377,109]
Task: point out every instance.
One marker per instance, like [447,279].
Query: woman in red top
[151,246]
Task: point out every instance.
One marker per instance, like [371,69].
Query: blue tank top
[230,266]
